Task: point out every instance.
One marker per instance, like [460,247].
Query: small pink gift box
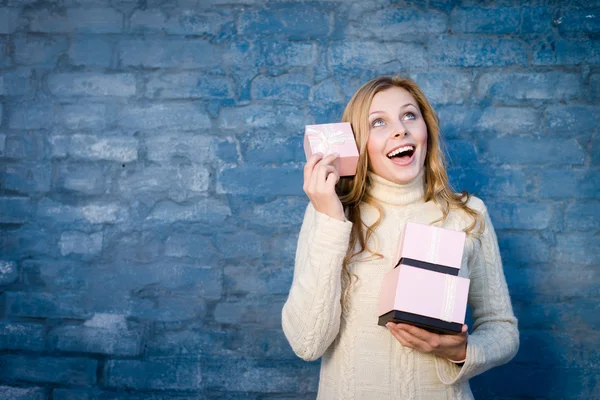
[333,138]
[430,247]
[432,300]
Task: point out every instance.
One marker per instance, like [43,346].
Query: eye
[411,115]
[377,122]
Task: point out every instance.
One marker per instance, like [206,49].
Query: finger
[332,179]
[310,165]
[415,342]
[330,158]
[399,338]
[323,171]
[420,333]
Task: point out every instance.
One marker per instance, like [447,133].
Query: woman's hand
[452,347]
[320,178]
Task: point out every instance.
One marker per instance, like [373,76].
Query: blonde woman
[345,248]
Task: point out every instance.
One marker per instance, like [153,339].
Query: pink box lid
[333,138]
[431,244]
[423,292]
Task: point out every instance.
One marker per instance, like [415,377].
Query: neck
[397,194]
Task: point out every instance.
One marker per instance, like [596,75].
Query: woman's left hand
[453,347]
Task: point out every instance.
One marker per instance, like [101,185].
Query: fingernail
[388,325]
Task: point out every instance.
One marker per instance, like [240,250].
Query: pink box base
[333,138]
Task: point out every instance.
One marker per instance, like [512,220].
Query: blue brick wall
[150,181]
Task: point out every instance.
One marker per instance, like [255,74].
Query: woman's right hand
[320,178]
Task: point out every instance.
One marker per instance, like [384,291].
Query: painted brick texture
[151,181]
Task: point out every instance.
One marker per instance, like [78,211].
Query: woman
[346,245]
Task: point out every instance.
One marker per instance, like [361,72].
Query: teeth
[400,150]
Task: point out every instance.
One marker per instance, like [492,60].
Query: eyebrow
[404,106]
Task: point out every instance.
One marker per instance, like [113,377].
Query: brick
[83,116]
[88,147]
[208,211]
[28,147]
[559,119]
[63,370]
[264,116]
[578,248]
[39,51]
[255,376]
[51,275]
[445,87]
[458,121]
[541,282]
[15,210]
[22,336]
[524,215]
[485,20]
[583,216]
[9,20]
[523,248]
[162,374]
[28,241]
[567,52]
[460,152]
[557,381]
[400,20]
[167,147]
[569,183]
[73,242]
[241,245]
[371,54]
[262,311]
[91,84]
[189,341]
[93,213]
[21,393]
[527,149]
[183,116]
[178,183]
[289,54]
[544,347]
[188,85]
[281,212]
[6,58]
[579,313]
[595,151]
[287,88]
[83,339]
[17,82]
[94,393]
[325,92]
[511,87]
[489,183]
[36,115]
[167,309]
[594,86]
[86,179]
[257,280]
[283,181]
[290,20]
[536,19]
[8,272]
[260,343]
[172,53]
[192,246]
[2,142]
[91,51]
[84,20]
[179,22]
[477,52]
[574,20]
[509,120]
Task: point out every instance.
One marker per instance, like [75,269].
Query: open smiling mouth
[403,153]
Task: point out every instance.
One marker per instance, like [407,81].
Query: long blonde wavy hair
[353,190]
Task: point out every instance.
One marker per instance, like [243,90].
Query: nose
[400,130]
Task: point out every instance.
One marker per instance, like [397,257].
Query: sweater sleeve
[495,337]
[311,314]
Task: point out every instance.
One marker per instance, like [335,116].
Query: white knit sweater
[362,360]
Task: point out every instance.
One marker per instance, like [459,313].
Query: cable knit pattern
[361,360]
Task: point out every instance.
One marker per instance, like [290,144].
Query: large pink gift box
[429,299]
[333,138]
[430,247]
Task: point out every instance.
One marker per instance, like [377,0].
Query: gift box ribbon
[449,298]
[322,140]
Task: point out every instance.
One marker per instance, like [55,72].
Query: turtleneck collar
[397,194]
